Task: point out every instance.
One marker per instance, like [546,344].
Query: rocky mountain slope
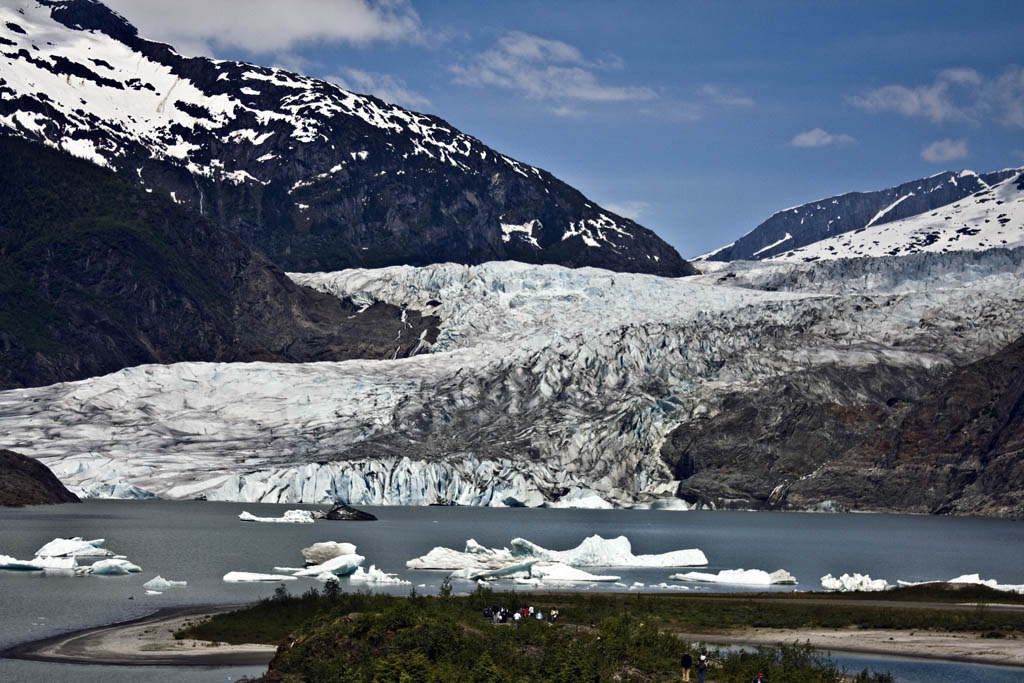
[26,481]
[547,384]
[945,212]
[97,275]
[314,176]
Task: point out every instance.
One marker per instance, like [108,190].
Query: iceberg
[110,567]
[374,575]
[586,499]
[594,551]
[854,583]
[973,579]
[159,583]
[37,563]
[558,572]
[289,517]
[321,552]
[74,547]
[744,577]
[342,565]
[250,577]
[151,592]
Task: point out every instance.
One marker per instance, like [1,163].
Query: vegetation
[367,637]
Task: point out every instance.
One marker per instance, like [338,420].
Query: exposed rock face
[345,513]
[98,275]
[317,178]
[26,481]
[863,212]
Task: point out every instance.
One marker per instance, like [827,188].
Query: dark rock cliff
[97,275]
[26,481]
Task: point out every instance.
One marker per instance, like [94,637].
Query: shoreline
[144,641]
[149,641]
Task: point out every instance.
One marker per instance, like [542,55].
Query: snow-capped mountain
[945,212]
[314,176]
[546,383]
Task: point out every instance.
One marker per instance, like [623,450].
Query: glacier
[538,375]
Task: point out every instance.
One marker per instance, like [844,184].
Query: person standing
[687,662]
[702,668]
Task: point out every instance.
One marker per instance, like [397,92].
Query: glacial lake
[201,541]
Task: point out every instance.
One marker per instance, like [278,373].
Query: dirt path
[148,641]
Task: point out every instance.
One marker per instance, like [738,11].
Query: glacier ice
[556,572]
[159,583]
[37,563]
[251,577]
[586,499]
[110,567]
[289,517]
[537,375]
[374,575]
[74,547]
[321,552]
[341,565]
[854,582]
[748,577]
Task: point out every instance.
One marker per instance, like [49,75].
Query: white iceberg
[110,567]
[673,586]
[743,577]
[37,563]
[159,583]
[74,547]
[319,553]
[563,573]
[289,517]
[854,583]
[342,565]
[151,592]
[594,551]
[250,577]
[586,499]
[974,579]
[374,575]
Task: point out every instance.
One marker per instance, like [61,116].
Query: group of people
[502,615]
[702,669]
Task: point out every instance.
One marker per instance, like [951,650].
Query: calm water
[201,541]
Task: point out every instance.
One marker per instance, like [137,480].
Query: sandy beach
[148,641]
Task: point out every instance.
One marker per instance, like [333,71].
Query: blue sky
[697,119]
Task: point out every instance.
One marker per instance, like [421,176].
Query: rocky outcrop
[98,275]
[315,177]
[346,513]
[26,481]
[950,443]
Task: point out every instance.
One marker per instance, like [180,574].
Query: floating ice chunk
[673,586]
[342,565]
[564,573]
[327,577]
[36,563]
[110,568]
[153,593]
[636,584]
[250,577]
[513,569]
[321,552]
[159,583]
[13,564]
[596,551]
[289,517]
[289,570]
[374,575]
[74,547]
[747,577]
[855,582]
[475,556]
[586,499]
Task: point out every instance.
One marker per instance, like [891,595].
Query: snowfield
[546,385]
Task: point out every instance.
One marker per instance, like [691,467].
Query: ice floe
[111,567]
[36,563]
[374,575]
[289,517]
[853,583]
[342,565]
[74,547]
[321,552]
[743,577]
[594,551]
[159,583]
[251,577]
[563,573]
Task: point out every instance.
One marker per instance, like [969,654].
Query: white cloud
[385,86]
[546,70]
[942,151]
[818,137]
[716,94]
[270,26]
[960,94]
[630,208]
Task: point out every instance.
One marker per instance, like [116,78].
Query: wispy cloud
[545,70]
[271,27]
[942,151]
[630,208]
[818,137]
[385,86]
[960,94]
[724,97]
